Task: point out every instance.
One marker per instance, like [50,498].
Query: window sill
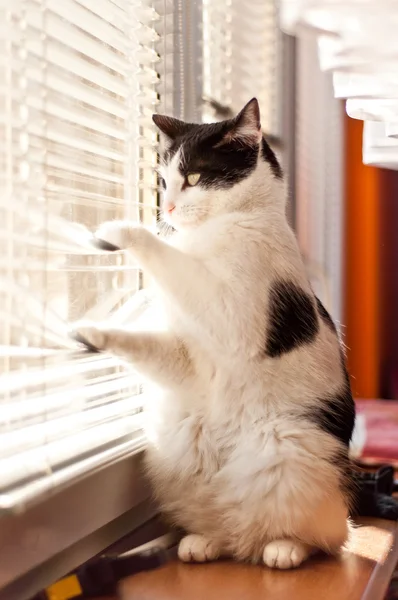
[62,532]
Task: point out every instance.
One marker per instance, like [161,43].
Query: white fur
[197,548]
[231,458]
[285,554]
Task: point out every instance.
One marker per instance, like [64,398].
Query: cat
[249,434]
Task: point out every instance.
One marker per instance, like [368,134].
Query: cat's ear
[171,127]
[245,128]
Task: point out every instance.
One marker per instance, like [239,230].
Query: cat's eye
[162,183]
[193,178]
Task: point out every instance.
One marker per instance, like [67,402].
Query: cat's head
[216,168]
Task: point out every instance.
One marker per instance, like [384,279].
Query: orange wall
[362,246]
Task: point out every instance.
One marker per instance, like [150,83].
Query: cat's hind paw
[197,548]
[285,554]
[89,334]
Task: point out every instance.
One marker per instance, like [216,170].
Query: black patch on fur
[221,167]
[327,319]
[269,156]
[335,414]
[292,319]
[348,482]
[325,316]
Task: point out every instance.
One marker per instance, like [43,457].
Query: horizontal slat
[64,370]
[74,167]
[63,246]
[118,3]
[21,266]
[76,14]
[114,13]
[66,84]
[17,498]
[109,26]
[66,37]
[70,237]
[76,64]
[62,100]
[50,400]
[55,192]
[40,461]
[71,139]
[79,166]
[28,437]
[59,107]
[33,330]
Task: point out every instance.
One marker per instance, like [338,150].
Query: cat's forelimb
[160,356]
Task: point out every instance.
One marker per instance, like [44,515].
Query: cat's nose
[169,208]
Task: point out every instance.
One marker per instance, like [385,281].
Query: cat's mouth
[183,218]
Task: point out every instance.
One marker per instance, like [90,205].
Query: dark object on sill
[146,548]
[100,576]
[374,496]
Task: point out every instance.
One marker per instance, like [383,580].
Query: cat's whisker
[165,228]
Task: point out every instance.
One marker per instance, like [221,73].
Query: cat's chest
[208,243]
[193,444]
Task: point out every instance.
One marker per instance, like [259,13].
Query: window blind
[242,57]
[79,80]
[357,46]
[181,50]
[319,175]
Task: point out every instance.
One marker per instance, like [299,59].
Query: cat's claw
[285,554]
[116,235]
[89,334]
[197,548]
[103,244]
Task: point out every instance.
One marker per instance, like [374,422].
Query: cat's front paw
[116,235]
[197,548]
[89,334]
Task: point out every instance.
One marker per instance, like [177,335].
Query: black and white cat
[248,439]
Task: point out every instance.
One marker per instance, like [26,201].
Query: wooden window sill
[362,572]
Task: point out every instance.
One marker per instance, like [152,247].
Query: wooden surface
[362,572]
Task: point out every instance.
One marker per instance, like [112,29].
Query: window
[79,81]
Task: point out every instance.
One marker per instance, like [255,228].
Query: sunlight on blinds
[78,85]
[241,45]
